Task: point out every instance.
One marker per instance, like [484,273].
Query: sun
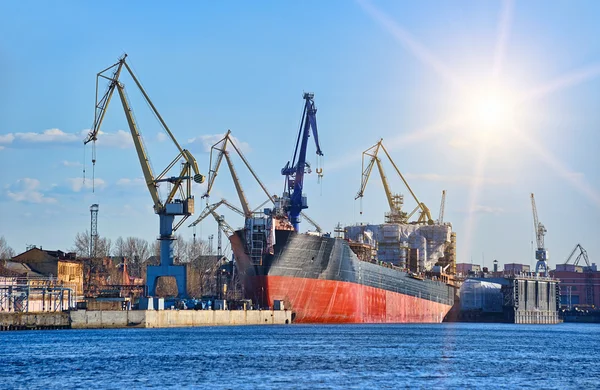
[490,108]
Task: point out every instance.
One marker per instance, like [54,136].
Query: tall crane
[442,208]
[293,199]
[395,201]
[541,254]
[181,184]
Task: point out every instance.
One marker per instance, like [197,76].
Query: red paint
[329,301]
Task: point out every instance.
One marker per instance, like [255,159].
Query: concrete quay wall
[82,319]
[39,320]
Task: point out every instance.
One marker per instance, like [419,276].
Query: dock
[102,319]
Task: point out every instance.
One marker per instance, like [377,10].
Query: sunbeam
[474,192]
[503,35]
[394,143]
[563,82]
[409,42]
[559,168]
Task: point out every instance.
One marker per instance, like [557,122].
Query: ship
[322,279]
[390,273]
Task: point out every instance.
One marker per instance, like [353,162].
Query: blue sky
[411,73]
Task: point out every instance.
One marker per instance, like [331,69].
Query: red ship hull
[321,280]
[329,301]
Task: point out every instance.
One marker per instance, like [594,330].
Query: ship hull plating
[322,281]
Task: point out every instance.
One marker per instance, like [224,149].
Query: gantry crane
[395,201]
[541,254]
[217,152]
[293,200]
[181,184]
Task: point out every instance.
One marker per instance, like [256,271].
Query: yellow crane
[181,184]
[395,201]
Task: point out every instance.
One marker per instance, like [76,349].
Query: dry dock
[515,299]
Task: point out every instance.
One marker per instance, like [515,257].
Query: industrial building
[464,269]
[514,299]
[54,264]
[515,268]
[579,286]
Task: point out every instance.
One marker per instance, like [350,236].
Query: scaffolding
[27,294]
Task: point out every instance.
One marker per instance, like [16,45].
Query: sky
[488,100]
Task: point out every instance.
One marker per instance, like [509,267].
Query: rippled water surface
[306,356]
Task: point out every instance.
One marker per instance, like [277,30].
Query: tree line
[138,250]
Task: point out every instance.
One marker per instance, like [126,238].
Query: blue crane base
[153,272]
[166,267]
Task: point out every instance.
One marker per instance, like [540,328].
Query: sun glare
[491,108]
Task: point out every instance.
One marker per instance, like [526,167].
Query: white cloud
[487,209]
[71,163]
[6,138]
[161,137]
[1,147]
[77,184]
[27,190]
[118,139]
[50,135]
[207,141]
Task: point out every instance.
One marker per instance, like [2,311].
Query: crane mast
[442,208]
[170,207]
[293,199]
[541,254]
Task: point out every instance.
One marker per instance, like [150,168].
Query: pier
[92,319]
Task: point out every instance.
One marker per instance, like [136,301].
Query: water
[306,356]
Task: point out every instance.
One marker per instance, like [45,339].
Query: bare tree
[82,244]
[180,249]
[119,247]
[6,252]
[137,251]
[156,248]
[103,247]
[196,248]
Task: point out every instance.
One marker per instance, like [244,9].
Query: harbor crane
[395,201]
[541,254]
[293,200]
[582,255]
[588,271]
[181,184]
[219,151]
